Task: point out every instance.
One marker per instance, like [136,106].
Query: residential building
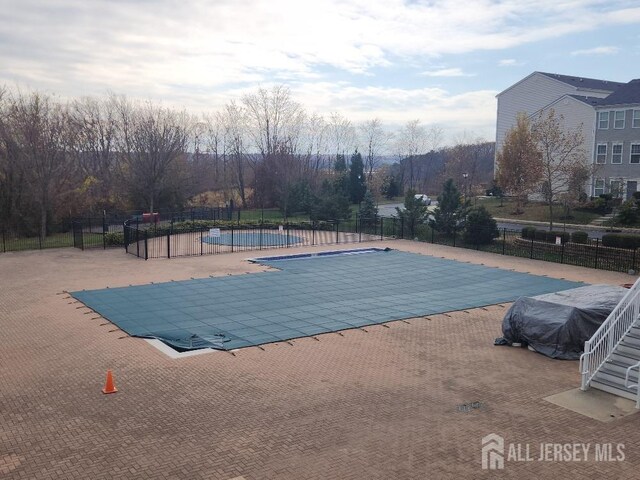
[606,112]
[617,142]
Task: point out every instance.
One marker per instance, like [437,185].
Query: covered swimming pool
[308,295]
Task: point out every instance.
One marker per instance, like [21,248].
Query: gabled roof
[628,93]
[592,101]
[587,83]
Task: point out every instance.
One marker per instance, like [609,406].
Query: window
[635,153]
[598,188]
[636,119]
[603,120]
[601,153]
[616,153]
[618,119]
[615,188]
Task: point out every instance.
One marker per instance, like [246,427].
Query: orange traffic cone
[109,386]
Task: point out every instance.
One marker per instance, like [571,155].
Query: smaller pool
[253,239]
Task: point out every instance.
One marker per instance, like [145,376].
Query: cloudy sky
[441,61]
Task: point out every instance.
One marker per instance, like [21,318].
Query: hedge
[541,235]
[621,240]
[579,237]
[528,232]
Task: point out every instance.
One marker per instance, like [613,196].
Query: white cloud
[597,51]
[509,62]
[197,54]
[471,111]
[447,72]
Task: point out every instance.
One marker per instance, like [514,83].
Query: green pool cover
[309,295]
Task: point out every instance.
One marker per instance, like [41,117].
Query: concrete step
[612,387]
[619,363]
[628,349]
[614,374]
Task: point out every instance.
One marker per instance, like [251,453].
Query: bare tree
[411,141]
[274,123]
[519,163]
[42,132]
[563,156]
[153,141]
[342,138]
[234,122]
[96,126]
[375,139]
[469,164]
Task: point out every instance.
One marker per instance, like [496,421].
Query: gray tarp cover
[558,324]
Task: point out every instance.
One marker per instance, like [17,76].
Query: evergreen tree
[450,211]
[357,186]
[414,212]
[368,209]
[480,227]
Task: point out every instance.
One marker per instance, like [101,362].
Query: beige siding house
[572,97]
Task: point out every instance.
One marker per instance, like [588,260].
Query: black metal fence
[205,238]
[592,253]
[103,231]
[181,236]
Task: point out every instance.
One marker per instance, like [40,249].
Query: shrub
[540,235]
[636,196]
[579,237]
[114,239]
[564,236]
[621,240]
[528,232]
[628,214]
[480,227]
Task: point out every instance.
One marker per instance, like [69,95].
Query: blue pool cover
[308,295]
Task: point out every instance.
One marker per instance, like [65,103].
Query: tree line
[61,158]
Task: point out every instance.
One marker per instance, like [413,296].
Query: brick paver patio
[380,404]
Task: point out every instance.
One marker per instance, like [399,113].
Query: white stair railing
[631,386]
[600,346]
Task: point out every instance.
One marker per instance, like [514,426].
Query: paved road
[389,210]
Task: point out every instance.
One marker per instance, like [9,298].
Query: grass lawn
[535,211]
[269,215]
[56,240]
[274,215]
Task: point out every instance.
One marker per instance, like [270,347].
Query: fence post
[402,228]
[137,242]
[231,238]
[531,250]
[313,234]
[597,244]
[562,252]
[454,236]
[105,230]
[146,245]
[633,264]
[337,231]
[4,242]
[381,228]
[168,245]
[357,222]
[287,224]
[201,240]
[260,234]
